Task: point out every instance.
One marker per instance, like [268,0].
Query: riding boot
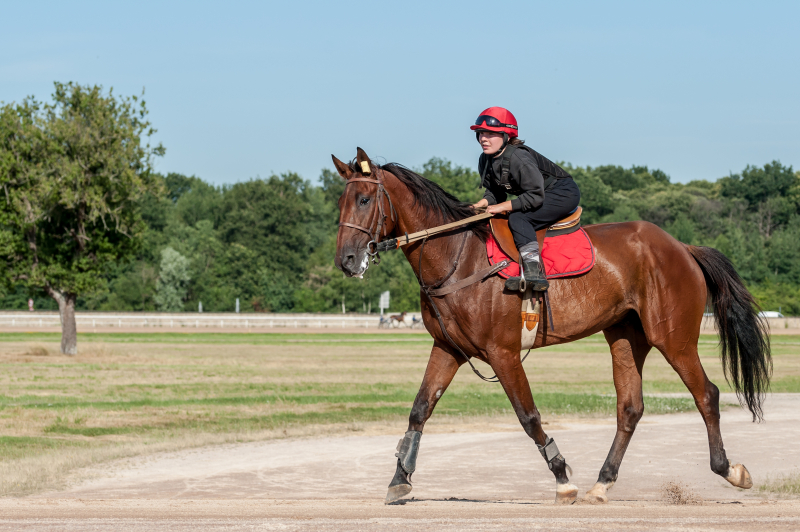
[533,275]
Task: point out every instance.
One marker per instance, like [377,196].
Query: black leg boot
[534,275]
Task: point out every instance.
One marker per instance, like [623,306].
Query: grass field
[127,394]
[787,485]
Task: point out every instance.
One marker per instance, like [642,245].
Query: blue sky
[245,89]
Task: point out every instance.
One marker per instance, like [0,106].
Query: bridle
[433,290]
[380,223]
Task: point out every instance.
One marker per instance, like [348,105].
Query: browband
[364,179]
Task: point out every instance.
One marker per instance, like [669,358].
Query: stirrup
[535,276]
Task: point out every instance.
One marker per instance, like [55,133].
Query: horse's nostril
[349,260]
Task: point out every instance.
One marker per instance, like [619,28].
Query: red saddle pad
[498,255]
[563,255]
[567,255]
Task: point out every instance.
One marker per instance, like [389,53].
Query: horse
[397,319]
[645,290]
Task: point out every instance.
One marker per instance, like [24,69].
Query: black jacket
[529,173]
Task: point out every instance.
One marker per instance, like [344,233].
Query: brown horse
[397,319]
[646,290]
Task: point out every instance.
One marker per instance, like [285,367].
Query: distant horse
[646,290]
[397,319]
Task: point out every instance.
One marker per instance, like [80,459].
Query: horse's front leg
[442,367]
[509,370]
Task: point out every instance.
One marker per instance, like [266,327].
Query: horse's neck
[440,251]
[409,220]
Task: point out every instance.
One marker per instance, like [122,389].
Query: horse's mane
[433,199]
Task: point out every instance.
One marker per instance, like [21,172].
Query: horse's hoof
[396,493]
[739,476]
[597,495]
[566,493]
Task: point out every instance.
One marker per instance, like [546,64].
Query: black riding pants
[559,202]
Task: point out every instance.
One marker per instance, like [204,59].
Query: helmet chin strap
[506,138]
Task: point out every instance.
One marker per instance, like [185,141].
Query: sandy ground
[464,480]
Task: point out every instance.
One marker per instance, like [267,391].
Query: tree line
[270,242]
[85,222]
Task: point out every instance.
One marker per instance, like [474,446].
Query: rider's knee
[516,220]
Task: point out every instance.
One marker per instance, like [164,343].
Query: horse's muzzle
[352,261]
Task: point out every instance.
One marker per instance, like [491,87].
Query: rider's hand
[481,205]
[500,208]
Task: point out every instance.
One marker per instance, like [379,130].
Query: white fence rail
[195,320]
[33,320]
[775,324]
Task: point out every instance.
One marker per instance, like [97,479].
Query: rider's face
[490,141]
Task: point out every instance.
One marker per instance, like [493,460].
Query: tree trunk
[69,330]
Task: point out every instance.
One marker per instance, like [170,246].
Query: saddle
[533,306]
[502,233]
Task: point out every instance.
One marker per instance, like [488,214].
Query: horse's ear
[343,169]
[363,161]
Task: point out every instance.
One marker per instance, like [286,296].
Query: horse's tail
[743,334]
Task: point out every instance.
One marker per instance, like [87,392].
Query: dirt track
[474,480]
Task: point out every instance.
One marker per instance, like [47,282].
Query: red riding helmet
[497,119]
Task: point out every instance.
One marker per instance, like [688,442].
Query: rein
[394,243]
[430,293]
[434,290]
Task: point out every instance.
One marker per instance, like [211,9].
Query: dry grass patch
[787,485]
[36,350]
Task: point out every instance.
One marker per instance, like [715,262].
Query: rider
[545,192]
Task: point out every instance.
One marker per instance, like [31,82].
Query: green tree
[131,286]
[194,199]
[619,178]
[459,181]
[682,229]
[332,189]
[282,217]
[596,197]
[74,173]
[625,212]
[172,279]
[756,185]
[784,253]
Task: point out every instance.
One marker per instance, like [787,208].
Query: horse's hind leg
[683,357]
[442,367]
[509,370]
[629,348]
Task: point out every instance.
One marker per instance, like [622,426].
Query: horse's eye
[364,201]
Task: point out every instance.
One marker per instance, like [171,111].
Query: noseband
[380,223]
